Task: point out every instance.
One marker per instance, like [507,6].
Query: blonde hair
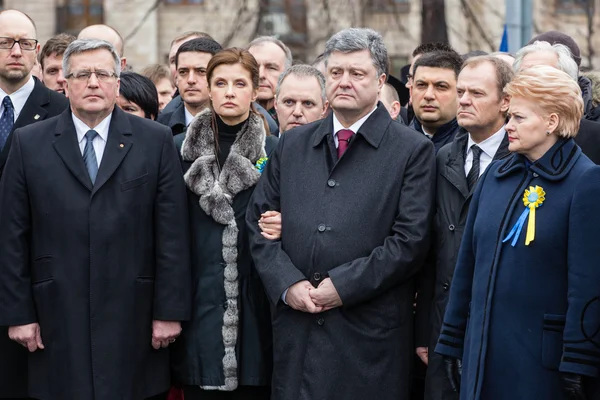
[554,91]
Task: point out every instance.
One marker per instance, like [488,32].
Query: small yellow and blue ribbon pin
[261,164]
[532,198]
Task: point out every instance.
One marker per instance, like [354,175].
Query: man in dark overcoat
[482,139]
[28,101]
[356,192]
[95,259]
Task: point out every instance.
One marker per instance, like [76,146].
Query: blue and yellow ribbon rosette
[261,163]
[532,198]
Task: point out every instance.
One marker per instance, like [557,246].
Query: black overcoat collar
[372,130]
[118,144]
[554,165]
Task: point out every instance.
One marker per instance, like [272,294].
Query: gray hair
[83,46]
[306,71]
[259,41]
[357,39]
[565,59]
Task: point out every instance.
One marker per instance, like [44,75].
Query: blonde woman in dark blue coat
[523,315]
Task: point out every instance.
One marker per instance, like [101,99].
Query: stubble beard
[13,77]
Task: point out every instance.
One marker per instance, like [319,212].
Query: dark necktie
[473,175]
[7,121]
[344,136]
[89,155]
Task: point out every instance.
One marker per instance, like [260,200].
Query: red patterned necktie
[344,136]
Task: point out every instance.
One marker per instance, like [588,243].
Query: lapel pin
[121,145]
[37,116]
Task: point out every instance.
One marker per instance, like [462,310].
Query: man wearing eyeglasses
[94,265]
[23,101]
[23,98]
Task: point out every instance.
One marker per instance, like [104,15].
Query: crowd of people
[240,226]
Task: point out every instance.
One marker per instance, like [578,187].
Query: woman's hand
[270,225]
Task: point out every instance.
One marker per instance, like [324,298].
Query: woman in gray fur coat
[225,350]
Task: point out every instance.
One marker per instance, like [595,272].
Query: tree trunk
[433,21]
[591,11]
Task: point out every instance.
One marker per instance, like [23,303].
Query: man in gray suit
[356,192]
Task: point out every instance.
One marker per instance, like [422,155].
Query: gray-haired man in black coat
[356,193]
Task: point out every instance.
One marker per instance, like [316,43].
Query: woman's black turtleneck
[227,135]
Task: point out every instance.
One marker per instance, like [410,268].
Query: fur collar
[238,173]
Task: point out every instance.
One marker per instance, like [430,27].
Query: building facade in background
[149,25]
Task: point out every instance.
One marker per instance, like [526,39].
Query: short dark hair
[441,59]
[55,45]
[431,47]
[200,45]
[140,90]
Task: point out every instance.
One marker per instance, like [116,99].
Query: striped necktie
[89,155]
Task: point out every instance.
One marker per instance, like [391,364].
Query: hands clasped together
[303,296]
[29,336]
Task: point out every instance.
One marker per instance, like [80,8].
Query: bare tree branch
[143,20]
[590,11]
[236,23]
[473,18]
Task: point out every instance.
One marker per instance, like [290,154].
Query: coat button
[320,321]
[322,228]
[331,183]
[317,276]
[446,286]
[535,175]
[451,227]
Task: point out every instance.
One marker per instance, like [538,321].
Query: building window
[74,15]
[572,6]
[184,2]
[381,6]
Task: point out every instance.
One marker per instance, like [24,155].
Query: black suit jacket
[42,104]
[94,264]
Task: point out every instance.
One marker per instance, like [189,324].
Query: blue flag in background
[504,43]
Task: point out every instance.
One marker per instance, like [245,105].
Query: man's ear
[381,82]
[325,108]
[504,103]
[395,110]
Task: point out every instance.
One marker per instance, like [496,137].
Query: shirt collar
[188,116]
[490,145]
[20,96]
[337,125]
[101,128]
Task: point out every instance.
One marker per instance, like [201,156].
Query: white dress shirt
[188,117]
[18,98]
[99,141]
[488,147]
[337,126]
